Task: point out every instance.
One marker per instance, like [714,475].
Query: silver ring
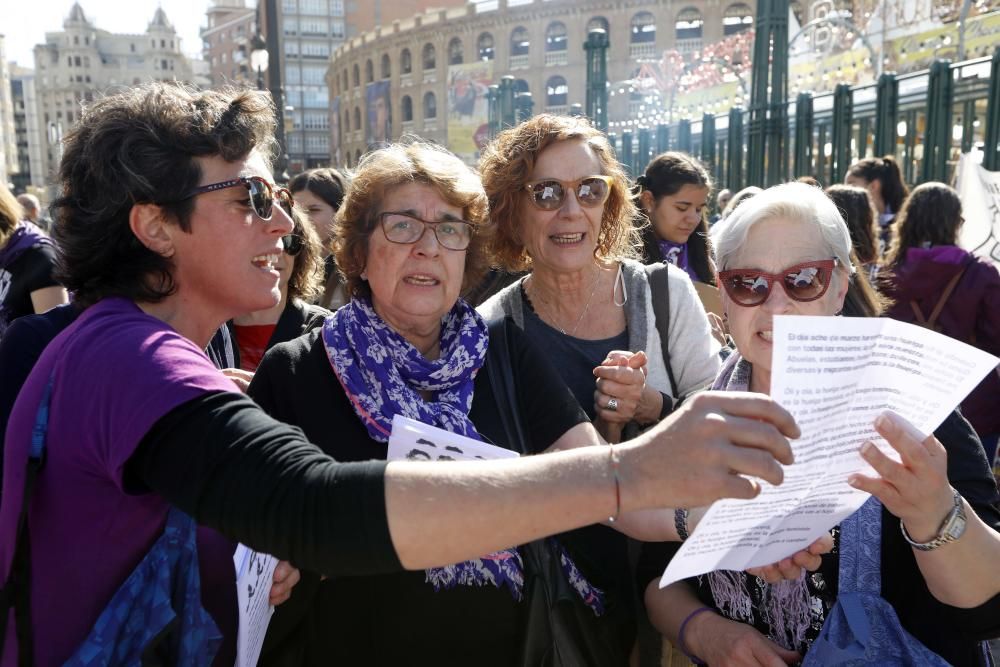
[613,404]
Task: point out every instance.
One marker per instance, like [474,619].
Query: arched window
[643,29]
[405,62]
[521,86]
[455,55]
[430,106]
[407,104]
[347,120]
[369,71]
[357,118]
[386,66]
[357,157]
[555,37]
[598,22]
[520,42]
[356,72]
[344,86]
[738,17]
[556,92]
[485,46]
[689,23]
[429,59]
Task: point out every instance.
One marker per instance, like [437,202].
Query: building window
[520,42]
[386,66]
[357,118]
[407,104]
[314,26]
[556,92]
[344,80]
[369,71]
[485,46]
[689,23]
[405,62]
[430,106]
[521,86]
[643,29]
[86,61]
[738,17]
[289,6]
[356,75]
[429,58]
[290,25]
[131,47]
[337,28]
[555,37]
[455,55]
[76,40]
[76,61]
[291,48]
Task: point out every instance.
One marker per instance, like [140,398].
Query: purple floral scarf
[381,373]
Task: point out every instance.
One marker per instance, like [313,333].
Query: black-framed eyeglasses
[262,194]
[550,193]
[408,229]
[292,244]
[803,282]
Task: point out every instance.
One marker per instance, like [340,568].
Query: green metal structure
[768,92]
[643,155]
[708,141]
[684,136]
[662,138]
[886,114]
[596,47]
[940,95]
[734,170]
[803,134]
[626,157]
[991,146]
[523,104]
[507,112]
[493,110]
[843,109]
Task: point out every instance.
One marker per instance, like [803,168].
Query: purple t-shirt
[117,371]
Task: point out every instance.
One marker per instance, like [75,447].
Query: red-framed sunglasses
[803,282]
[262,194]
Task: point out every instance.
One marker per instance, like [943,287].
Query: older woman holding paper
[788,252]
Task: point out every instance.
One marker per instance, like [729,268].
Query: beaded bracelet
[618,485]
[680,635]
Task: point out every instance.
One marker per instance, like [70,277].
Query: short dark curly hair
[140,146]
[398,164]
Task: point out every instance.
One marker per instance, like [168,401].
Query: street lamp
[259,58]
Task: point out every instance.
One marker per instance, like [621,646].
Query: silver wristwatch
[951,529]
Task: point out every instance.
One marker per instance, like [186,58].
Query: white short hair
[798,202]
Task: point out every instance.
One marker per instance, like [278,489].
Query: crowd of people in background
[193,356]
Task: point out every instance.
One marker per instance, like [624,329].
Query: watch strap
[943,537]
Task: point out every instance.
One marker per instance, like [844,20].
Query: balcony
[430,125]
[688,45]
[645,50]
[558,109]
[556,58]
[430,76]
[405,80]
[519,62]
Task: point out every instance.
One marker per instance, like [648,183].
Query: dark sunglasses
[262,194]
[550,193]
[291,244]
[803,282]
[408,229]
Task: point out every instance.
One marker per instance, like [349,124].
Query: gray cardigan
[694,352]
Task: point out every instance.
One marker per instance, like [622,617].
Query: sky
[25,22]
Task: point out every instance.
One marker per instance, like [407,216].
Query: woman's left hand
[916,489]
[791,567]
[622,378]
[285,577]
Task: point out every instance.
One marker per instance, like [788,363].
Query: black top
[948,631]
[297,318]
[29,272]
[397,619]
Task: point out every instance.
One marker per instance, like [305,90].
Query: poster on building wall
[335,138]
[379,126]
[468,112]
[979,190]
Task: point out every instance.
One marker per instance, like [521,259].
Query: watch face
[955,527]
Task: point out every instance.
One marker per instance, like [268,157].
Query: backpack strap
[659,288]
[939,306]
[14,594]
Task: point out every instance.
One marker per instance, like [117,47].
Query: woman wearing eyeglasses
[301,268]
[787,251]
[563,210]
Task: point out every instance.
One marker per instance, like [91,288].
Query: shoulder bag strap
[659,288]
[15,593]
[499,368]
[942,300]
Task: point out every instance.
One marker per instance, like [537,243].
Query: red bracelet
[618,486]
[680,635]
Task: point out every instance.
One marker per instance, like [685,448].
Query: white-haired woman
[787,251]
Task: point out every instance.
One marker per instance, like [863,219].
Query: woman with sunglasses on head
[788,252]
[301,270]
[933,282]
[563,211]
